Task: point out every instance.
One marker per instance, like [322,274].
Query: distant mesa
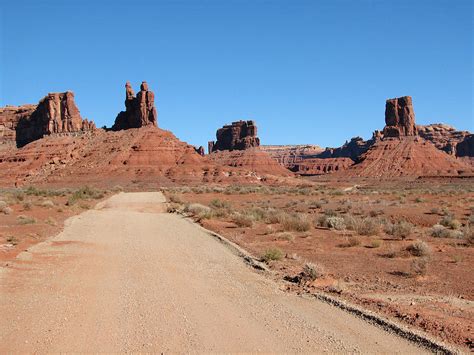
[239,135]
[56,113]
[139,111]
[399,117]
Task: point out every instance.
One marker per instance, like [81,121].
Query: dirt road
[125,277]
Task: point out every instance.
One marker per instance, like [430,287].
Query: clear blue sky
[307,71]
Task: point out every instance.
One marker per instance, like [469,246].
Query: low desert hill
[146,155]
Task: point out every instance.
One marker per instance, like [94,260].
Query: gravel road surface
[126,277]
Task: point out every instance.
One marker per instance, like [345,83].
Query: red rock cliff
[239,135]
[55,113]
[399,117]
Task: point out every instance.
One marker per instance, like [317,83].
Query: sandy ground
[125,277]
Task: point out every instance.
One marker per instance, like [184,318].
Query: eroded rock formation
[55,113]
[443,136]
[317,166]
[239,135]
[399,117]
[9,118]
[465,148]
[288,155]
[139,111]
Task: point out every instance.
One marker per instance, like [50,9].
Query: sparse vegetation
[25,220]
[419,248]
[401,229]
[272,254]
[312,271]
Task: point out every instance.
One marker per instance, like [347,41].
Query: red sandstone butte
[139,111]
[239,135]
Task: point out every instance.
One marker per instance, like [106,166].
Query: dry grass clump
[419,266]
[175,199]
[450,222]
[401,229]
[272,254]
[312,271]
[285,236]
[84,193]
[47,204]
[439,231]
[363,226]
[25,220]
[294,222]
[376,243]
[242,220]
[419,248]
[4,208]
[333,222]
[51,221]
[198,210]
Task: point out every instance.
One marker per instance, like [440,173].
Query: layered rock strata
[239,135]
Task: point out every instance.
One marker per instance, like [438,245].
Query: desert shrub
[51,221]
[175,199]
[401,229]
[330,213]
[242,220]
[256,213]
[84,193]
[332,222]
[376,243]
[27,205]
[269,230]
[312,271]
[197,209]
[419,248]
[439,231]
[449,222]
[435,210]
[468,235]
[367,226]
[25,220]
[216,203]
[352,242]
[285,236]
[419,266]
[6,210]
[3,204]
[272,254]
[419,200]
[47,203]
[294,222]
[375,213]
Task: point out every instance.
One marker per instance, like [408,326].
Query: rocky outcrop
[352,149]
[399,117]
[402,153]
[239,135]
[9,118]
[139,111]
[443,136]
[465,148]
[200,150]
[317,166]
[289,155]
[56,113]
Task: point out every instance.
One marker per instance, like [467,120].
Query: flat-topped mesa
[399,118]
[139,111]
[55,113]
[239,135]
